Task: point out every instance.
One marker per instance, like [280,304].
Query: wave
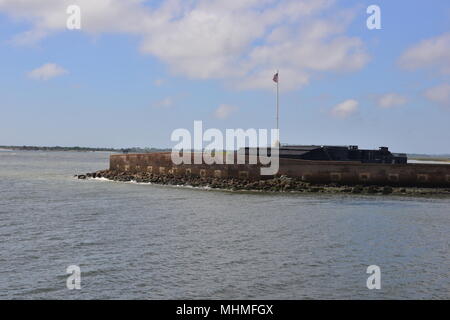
[159,184]
[100,179]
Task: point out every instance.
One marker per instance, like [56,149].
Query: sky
[137,70]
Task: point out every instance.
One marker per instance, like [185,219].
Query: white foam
[101,179]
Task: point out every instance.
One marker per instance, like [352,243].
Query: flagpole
[278,108]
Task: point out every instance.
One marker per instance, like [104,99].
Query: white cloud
[224,111]
[164,103]
[345,109]
[47,71]
[430,53]
[390,100]
[240,41]
[158,82]
[439,94]
[29,37]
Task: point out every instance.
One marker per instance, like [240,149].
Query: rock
[387,190]
[277,184]
[372,189]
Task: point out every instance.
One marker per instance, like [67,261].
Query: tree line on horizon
[84,149]
[148,150]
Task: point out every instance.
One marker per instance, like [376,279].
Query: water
[157,242]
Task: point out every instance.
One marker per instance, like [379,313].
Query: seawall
[320,172]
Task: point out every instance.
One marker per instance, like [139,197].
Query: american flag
[275,77]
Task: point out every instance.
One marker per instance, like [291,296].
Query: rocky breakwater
[278,184]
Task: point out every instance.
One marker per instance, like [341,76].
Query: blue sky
[138,70]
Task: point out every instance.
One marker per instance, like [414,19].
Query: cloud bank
[241,42]
[390,100]
[433,53]
[47,71]
[224,111]
[439,94]
[345,109]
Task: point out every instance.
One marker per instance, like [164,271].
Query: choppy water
[147,242]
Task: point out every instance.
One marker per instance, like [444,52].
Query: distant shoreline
[82,149]
[411,156]
[443,158]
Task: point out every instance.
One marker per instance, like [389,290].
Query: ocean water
[139,241]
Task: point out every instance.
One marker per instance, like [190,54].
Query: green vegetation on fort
[83,149]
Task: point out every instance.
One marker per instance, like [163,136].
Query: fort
[374,172]
[315,171]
